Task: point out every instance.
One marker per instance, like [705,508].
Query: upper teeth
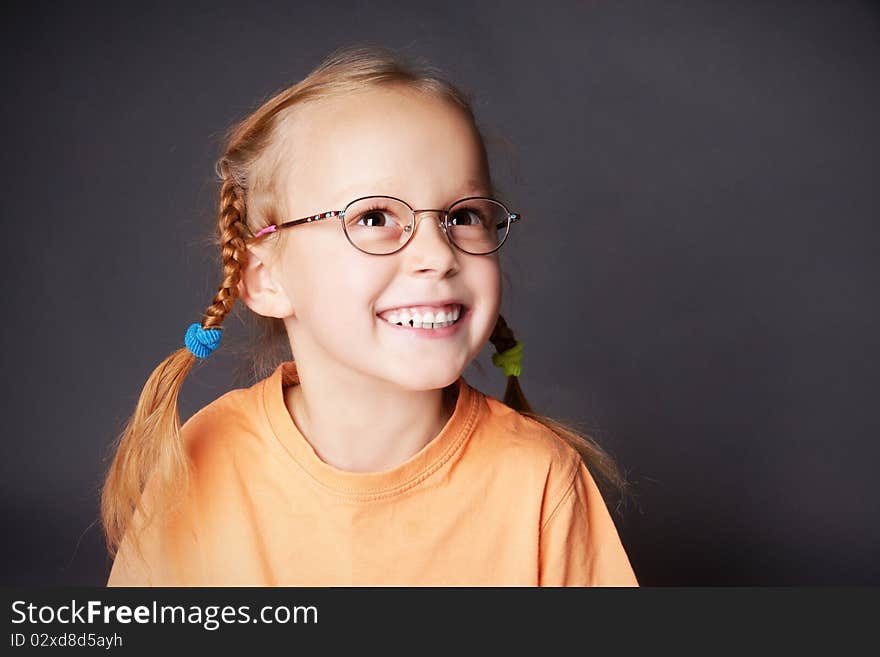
[419,318]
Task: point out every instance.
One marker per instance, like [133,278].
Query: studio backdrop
[696,285]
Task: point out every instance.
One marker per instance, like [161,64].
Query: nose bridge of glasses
[440,217]
[441,213]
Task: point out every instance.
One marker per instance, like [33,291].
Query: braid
[232,231]
[503,339]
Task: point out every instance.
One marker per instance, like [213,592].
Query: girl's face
[387,141]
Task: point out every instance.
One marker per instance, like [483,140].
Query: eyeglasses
[382,225]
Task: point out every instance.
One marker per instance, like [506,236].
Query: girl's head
[387,138]
[364,122]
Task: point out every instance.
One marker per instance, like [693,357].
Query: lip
[433,304]
[430,334]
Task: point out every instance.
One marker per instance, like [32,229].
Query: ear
[259,288]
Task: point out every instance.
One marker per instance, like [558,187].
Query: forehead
[382,141]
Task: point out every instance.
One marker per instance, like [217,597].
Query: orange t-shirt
[495,499]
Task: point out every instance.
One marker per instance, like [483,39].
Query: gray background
[695,282]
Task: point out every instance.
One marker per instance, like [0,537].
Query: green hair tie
[510,360]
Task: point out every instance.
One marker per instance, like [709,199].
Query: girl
[358,218]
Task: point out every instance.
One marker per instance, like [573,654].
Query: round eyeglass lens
[377,224]
[478,225]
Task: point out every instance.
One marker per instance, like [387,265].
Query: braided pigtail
[151,441]
[601,464]
[505,343]
[233,233]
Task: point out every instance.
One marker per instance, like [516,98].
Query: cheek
[484,282]
[333,277]
[485,279]
[354,290]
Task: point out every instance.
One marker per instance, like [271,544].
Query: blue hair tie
[201,341]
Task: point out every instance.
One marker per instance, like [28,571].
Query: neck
[371,427]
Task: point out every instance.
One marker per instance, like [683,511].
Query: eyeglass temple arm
[271,228]
[513,217]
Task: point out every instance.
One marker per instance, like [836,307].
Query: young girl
[358,217]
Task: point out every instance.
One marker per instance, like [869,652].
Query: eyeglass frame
[512,217]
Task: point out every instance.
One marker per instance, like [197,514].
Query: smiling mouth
[411,323]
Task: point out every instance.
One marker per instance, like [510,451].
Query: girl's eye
[376,216]
[465,217]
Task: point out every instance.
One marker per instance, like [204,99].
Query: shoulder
[518,434]
[231,425]
[529,447]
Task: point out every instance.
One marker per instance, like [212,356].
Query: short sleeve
[579,544]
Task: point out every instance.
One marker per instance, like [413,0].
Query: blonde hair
[150,445]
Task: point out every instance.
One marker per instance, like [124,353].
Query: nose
[433,249]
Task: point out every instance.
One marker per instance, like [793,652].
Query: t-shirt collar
[368,485]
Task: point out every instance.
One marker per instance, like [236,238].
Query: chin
[427,380]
